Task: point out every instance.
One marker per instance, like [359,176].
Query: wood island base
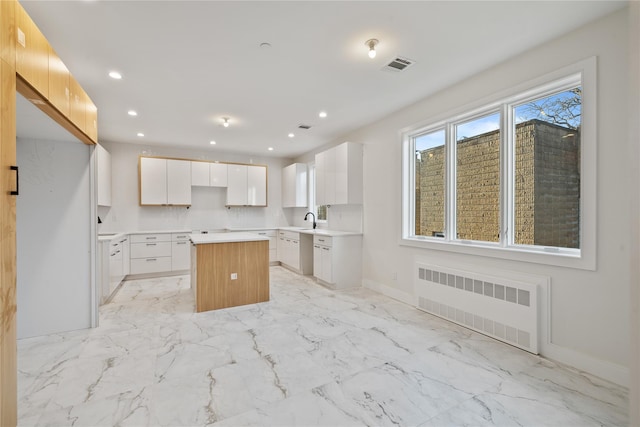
[229,274]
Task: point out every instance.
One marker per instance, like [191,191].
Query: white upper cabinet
[257,185]
[178,182]
[294,186]
[165,181]
[237,194]
[208,174]
[339,175]
[218,174]
[104,176]
[200,174]
[153,181]
[246,185]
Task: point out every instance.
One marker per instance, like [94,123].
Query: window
[506,175]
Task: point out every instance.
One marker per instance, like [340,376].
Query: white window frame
[312,193]
[582,73]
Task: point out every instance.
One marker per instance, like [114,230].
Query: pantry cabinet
[339,175]
[294,186]
[165,181]
[246,185]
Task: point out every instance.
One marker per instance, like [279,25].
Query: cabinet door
[341,185]
[91,118]
[257,185]
[58,83]
[126,255]
[295,254]
[218,174]
[153,181]
[317,261]
[327,264]
[32,52]
[300,186]
[281,249]
[180,256]
[77,107]
[237,185]
[330,177]
[200,174]
[288,189]
[104,176]
[320,179]
[178,182]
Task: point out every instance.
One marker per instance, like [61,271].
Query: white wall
[589,312]
[53,230]
[632,163]
[207,211]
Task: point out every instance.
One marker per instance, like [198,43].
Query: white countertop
[321,231]
[110,235]
[199,239]
[251,228]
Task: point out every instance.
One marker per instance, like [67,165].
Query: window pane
[322,212]
[430,184]
[478,179]
[547,171]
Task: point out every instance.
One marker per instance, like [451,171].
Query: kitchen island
[229,269]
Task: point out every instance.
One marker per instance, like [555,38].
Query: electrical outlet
[234,276]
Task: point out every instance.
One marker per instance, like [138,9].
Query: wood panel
[216,262]
[8,367]
[8,32]
[58,83]
[77,106]
[32,53]
[91,119]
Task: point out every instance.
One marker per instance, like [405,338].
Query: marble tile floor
[310,356]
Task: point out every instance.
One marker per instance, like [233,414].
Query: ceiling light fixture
[371,44]
[322,114]
[212,142]
[132,113]
[140,134]
[291,135]
[225,122]
[115,75]
[270,148]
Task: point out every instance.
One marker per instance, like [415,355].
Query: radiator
[502,308]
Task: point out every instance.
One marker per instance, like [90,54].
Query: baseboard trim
[391,292]
[609,371]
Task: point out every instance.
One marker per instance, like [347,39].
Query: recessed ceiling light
[291,135]
[322,114]
[270,148]
[115,75]
[212,142]
[140,134]
[132,113]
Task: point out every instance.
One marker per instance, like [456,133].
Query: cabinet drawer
[322,240]
[267,233]
[150,265]
[290,235]
[157,237]
[150,249]
[180,237]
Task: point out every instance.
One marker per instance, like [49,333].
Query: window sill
[568,259]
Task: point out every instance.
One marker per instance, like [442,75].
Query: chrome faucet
[314,218]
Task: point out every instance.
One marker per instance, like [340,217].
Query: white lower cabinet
[150,253]
[293,250]
[180,252]
[337,260]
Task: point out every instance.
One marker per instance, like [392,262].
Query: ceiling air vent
[398,64]
[304,126]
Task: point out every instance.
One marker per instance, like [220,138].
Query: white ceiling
[187,64]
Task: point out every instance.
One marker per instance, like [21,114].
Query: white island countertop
[321,231]
[200,239]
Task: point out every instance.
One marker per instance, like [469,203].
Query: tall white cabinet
[294,186]
[339,175]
